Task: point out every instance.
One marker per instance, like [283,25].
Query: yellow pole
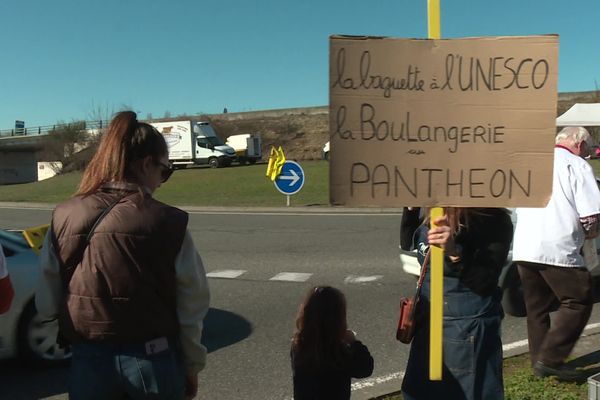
[433,18]
[436,308]
[436,311]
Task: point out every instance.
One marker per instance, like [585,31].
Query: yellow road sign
[276,161]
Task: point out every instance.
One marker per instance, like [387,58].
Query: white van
[193,142]
[247,147]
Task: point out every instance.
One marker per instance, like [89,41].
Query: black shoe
[561,373]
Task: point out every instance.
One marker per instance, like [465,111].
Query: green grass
[234,186]
[595,163]
[521,384]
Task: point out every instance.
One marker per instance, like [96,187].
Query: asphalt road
[251,320]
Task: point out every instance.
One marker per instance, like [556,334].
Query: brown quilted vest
[121,286]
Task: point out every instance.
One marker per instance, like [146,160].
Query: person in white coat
[548,246]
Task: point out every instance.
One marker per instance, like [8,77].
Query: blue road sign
[291,179]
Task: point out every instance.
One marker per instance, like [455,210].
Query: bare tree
[64,142]
[100,112]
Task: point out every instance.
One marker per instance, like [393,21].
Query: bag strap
[101,217]
[423,270]
[422,276]
[419,284]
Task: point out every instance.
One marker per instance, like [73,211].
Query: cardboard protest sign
[459,122]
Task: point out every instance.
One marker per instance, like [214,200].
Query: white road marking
[514,345]
[362,279]
[291,277]
[592,326]
[226,273]
[365,383]
[524,342]
[370,382]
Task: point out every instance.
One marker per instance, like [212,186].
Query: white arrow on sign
[294,178]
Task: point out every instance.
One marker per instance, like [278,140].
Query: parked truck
[247,147]
[193,142]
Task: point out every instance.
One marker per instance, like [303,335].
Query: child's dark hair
[320,329]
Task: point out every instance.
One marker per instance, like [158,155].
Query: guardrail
[47,129]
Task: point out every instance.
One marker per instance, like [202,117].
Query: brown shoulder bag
[406,323]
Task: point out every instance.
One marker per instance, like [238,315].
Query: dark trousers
[552,342]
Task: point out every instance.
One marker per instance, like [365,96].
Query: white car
[22,331]
[509,280]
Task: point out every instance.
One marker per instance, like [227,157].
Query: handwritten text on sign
[466,122]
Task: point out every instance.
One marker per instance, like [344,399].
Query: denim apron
[472,347]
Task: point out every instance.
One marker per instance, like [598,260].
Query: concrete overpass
[19,149]
[18,158]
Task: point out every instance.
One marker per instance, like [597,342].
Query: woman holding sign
[476,242]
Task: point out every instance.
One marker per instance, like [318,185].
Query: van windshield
[208,142]
[215,141]
[207,132]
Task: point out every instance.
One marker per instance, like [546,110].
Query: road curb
[316,209]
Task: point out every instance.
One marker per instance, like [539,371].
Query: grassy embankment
[234,186]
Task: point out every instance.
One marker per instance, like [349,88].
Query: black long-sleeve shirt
[485,244]
[332,384]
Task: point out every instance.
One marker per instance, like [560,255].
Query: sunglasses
[166,170]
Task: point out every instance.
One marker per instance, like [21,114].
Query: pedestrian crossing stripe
[362,279]
[291,277]
[226,273]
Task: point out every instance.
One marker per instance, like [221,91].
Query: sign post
[290,180]
[436,308]
[19,127]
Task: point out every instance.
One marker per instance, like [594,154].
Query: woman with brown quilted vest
[121,273]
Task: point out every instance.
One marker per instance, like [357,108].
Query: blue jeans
[105,372]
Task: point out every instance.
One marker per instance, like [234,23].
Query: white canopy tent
[581,114]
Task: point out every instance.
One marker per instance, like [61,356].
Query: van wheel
[513,301]
[213,162]
[37,339]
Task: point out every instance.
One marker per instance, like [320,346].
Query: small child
[325,353]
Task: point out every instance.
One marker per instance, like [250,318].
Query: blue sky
[65,60]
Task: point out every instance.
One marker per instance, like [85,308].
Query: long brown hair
[320,328]
[125,141]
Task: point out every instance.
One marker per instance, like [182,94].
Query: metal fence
[47,129]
